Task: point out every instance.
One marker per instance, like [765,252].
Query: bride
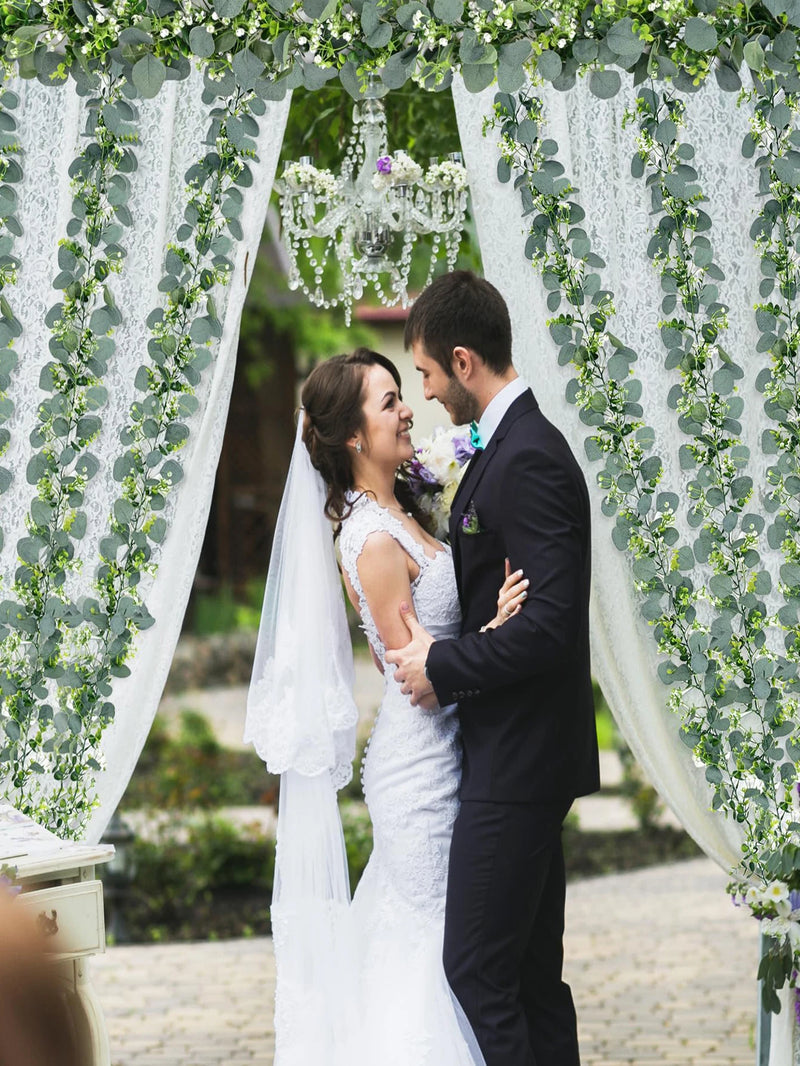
[358,984]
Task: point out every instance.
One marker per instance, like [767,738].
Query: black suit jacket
[524,690]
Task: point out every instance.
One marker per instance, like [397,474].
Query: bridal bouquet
[435,473]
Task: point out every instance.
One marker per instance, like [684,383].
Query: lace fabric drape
[172,133]
[596,153]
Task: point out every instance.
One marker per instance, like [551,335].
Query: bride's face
[387,420]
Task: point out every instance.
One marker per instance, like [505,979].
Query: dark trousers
[504,925]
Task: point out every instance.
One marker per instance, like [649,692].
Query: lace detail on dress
[436,596]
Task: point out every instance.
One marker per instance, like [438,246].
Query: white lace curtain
[173,129]
[596,152]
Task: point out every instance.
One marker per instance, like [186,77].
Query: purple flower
[463,449]
[794,899]
[419,477]
[7,887]
[384,164]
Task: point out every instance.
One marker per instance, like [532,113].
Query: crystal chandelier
[371,215]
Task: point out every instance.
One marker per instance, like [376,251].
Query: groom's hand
[410,660]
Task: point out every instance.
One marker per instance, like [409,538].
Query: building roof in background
[378,313]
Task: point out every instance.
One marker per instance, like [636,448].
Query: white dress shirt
[497,407]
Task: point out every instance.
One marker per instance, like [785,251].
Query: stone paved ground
[660,963]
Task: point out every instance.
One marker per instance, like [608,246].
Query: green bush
[203,877]
[199,879]
[192,769]
[357,838]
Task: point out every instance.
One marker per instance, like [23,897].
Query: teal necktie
[475,436]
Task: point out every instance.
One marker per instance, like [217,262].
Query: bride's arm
[383,572]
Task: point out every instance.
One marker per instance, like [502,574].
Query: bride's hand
[511,597]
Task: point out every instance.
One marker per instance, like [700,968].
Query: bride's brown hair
[333,402]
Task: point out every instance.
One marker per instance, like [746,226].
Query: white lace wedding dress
[411,772]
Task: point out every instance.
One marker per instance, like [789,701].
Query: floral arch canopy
[142,132]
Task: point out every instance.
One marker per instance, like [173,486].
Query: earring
[358,446]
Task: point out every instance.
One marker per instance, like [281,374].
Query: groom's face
[437,384]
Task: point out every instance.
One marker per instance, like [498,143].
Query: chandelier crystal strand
[370,216]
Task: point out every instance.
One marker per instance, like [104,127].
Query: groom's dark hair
[461,310]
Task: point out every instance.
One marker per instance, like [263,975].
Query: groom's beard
[462,404]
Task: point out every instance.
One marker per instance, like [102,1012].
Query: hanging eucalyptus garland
[736,697]
[59,657]
[10,229]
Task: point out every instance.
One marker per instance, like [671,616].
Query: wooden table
[65,899]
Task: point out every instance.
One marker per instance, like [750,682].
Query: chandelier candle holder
[371,215]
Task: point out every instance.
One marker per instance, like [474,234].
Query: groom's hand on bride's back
[410,662]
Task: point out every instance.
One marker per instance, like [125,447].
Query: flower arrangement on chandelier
[449,175]
[435,473]
[305,176]
[396,169]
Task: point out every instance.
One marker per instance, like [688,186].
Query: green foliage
[736,697]
[735,703]
[604,723]
[644,800]
[286,44]
[272,315]
[184,874]
[188,769]
[63,736]
[59,658]
[10,229]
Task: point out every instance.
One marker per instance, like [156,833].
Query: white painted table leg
[90,1022]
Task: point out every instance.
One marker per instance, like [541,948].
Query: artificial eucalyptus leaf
[604,83]
[754,56]
[784,45]
[624,41]
[549,65]
[700,34]
[201,42]
[148,76]
[727,77]
[477,76]
[231,8]
[397,70]
[448,11]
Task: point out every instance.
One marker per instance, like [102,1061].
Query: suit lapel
[478,463]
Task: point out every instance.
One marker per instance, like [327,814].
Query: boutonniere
[470,523]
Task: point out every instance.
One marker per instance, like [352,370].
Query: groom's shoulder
[533,434]
[528,425]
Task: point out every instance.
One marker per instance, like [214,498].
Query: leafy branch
[41,736]
[10,328]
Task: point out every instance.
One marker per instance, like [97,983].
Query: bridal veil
[301,718]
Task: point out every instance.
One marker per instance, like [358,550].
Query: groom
[523,690]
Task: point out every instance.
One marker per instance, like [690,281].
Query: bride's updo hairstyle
[333,399]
